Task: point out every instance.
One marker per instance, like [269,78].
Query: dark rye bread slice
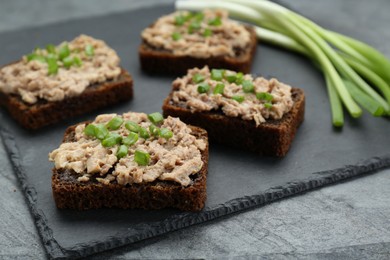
[45,113]
[161,61]
[272,138]
[70,193]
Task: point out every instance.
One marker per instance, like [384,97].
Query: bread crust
[272,138]
[158,61]
[72,194]
[45,113]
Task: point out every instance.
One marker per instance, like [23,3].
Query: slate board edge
[55,251]
[51,246]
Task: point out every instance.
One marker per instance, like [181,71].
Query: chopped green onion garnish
[68,62]
[239,78]
[166,133]
[77,61]
[144,133]
[217,74]
[194,26]
[216,21]
[198,17]
[179,20]
[132,126]
[34,56]
[197,78]
[154,130]
[52,66]
[176,36]
[219,88]
[131,139]
[111,139]
[203,88]
[100,131]
[155,118]
[89,130]
[207,32]
[231,77]
[267,105]
[247,86]
[114,123]
[64,51]
[141,157]
[51,48]
[51,56]
[239,99]
[189,16]
[264,96]
[89,50]
[122,151]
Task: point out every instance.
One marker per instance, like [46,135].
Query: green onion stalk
[356,75]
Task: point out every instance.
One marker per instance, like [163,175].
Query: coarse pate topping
[172,159]
[235,94]
[202,35]
[30,79]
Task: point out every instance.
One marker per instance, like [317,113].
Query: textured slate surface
[325,159]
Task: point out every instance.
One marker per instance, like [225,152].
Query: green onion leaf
[207,32]
[231,78]
[247,86]
[51,48]
[77,61]
[216,21]
[144,133]
[154,130]
[176,36]
[68,62]
[100,131]
[364,100]
[131,139]
[166,133]
[155,118]
[122,151]
[203,88]
[141,157]
[194,26]
[89,130]
[89,50]
[197,78]
[114,123]
[64,51]
[239,78]
[217,74]
[52,65]
[268,105]
[238,98]
[219,88]
[180,20]
[132,126]
[264,96]
[111,139]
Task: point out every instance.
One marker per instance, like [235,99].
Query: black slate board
[237,180]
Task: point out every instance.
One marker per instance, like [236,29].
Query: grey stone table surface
[350,220]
